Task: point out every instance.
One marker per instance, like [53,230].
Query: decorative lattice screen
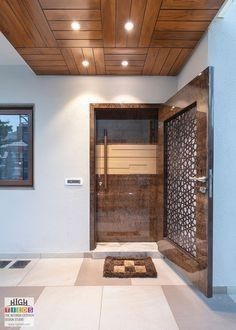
[180,190]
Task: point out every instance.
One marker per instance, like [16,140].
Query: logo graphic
[18,311]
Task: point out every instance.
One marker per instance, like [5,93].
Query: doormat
[129,267]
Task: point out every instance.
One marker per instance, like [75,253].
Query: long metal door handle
[105,160]
[202,179]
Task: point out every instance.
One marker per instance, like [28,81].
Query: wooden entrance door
[186,133]
[125,162]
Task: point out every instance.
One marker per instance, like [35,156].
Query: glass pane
[14,147]
[131,131]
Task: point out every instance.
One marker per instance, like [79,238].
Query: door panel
[180,187]
[127,211]
[185,129]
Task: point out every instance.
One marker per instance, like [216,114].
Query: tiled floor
[71,294]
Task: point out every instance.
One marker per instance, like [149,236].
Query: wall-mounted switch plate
[73,182]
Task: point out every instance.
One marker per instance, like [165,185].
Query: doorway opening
[126,161]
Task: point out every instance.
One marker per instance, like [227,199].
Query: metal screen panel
[180,190]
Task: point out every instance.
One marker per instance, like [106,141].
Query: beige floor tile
[12,277]
[194,311]
[91,273]
[68,308]
[166,276]
[139,308]
[53,272]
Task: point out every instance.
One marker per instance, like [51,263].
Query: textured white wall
[52,217]
[222,50]
[8,54]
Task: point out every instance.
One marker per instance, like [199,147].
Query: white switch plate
[73,182]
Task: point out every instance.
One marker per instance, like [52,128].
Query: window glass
[15,148]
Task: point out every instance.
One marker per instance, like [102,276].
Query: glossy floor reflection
[71,294]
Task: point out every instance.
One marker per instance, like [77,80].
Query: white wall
[222,50]
[217,49]
[8,54]
[196,63]
[52,217]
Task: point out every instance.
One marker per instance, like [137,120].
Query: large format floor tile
[91,273]
[139,308]
[165,276]
[12,277]
[194,311]
[53,272]
[68,308]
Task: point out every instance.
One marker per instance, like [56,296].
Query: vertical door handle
[105,160]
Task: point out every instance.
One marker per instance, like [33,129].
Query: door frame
[93,108]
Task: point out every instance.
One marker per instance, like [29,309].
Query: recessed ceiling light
[129,26]
[75,26]
[85,63]
[124,63]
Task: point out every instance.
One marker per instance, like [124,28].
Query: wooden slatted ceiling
[164,35]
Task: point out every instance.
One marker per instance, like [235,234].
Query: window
[16,146]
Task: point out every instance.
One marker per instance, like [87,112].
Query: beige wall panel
[134,150]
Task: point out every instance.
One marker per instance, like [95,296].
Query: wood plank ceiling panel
[79,57]
[40,21]
[187,15]
[176,26]
[190,4]
[72,14]
[70,60]
[149,21]
[99,60]
[164,35]
[88,55]
[84,25]
[137,13]
[70,4]
[122,16]
[108,13]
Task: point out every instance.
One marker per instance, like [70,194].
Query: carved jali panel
[180,189]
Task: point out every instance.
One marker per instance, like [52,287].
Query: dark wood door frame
[93,109]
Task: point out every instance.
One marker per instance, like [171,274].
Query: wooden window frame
[18,110]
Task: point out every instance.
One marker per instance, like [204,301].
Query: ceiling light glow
[75,26]
[129,26]
[124,63]
[85,63]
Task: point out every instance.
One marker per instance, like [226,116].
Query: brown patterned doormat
[129,267]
